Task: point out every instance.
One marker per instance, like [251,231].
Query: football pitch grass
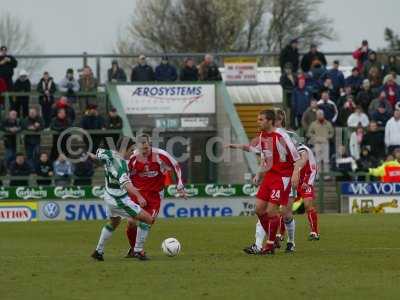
[356,258]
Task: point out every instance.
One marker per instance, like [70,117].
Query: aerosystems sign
[370,188]
[18,211]
[167,99]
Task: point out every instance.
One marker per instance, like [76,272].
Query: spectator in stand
[93,121]
[142,71]
[344,163]
[34,124]
[392,66]
[3,170]
[165,71]
[69,85]
[328,106]
[372,62]
[21,85]
[365,95]
[114,122]
[20,167]
[87,84]
[63,169]
[7,65]
[361,55]
[381,115]
[375,79]
[328,85]
[84,170]
[63,103]
[115,73]
[379,101]
[346,109]
[358,118]
[392,130]
[301,98]
[320,133]
[391,89]
[208,70]
[44,168]
[337,77]
[11,126]
[374,141]
[288,83]
[313,60]
[59,124]
[355,81]
[356,139]
[344,96]
[189,71]
[46,89]
[310,115]
[366,160]
[290,54]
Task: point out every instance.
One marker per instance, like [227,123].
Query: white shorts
[122,207]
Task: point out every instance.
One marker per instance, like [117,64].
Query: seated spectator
[60,123]
[313,59]
[374,141]
[84,170]
[320,133]
[365,95]
[33,123]
[372,62]
[142,71]
[328,107]
[92,120]
[46,89]
[355,80]
[69,85]
[301,98]
[361,55]
[288,83]
[366,160]
[63,103]
[391,89]
[381,115]
[392,66]
[336,76]
[165,71]
[328,86]
[356,139]
[115,73]
[63,171]
[310,115]
[392,130]
[11,127]
[19,167]
[44,168]
[21,85]
[87,84]
[114,122]
[189,71]
[346,109]
[208,70]
[7,65]
[344,163]
[358,118]
[381,100]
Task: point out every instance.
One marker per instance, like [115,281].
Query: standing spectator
[346,109]
[189,71]
[165,71]
[372,62]
[92,120]
[313,60]
[290,54]
[59,124]
[375,79]
[344,96]
[392,66]
[374,141]
[87,84]
[288,83]
[115,73]
[46,89]
[69,85]
[63,170]
[84,170]
[328,106]
[392,130]
[355,80]
[301,98]
[7,65]
[44,168]
[381,100]
[361,55]
[22,85]
[319,133]
[358,118]
[310,115]
[328,86]
[11,126]
[381,115]
[337,77]
[114,122]
[391,89]
[34,124]
[365,95]
[63,103]
[19,167]
[3,170]
[142,71]
[356,139]
[208,70]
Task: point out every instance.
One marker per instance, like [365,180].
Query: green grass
[356,258]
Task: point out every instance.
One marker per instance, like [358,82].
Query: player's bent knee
[114,222]
[145,217]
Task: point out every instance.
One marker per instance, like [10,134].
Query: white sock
[141,236]
[260,235]
[291,228]
[106,233]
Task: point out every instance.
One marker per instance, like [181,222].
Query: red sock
[131,235]
[273,226]
[282,228]
[313,220]
[264,220]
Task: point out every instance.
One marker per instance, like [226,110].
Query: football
[171,246]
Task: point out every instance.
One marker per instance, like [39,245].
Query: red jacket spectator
[392,90]
[361,55]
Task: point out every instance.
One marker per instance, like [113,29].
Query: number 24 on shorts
[275,194]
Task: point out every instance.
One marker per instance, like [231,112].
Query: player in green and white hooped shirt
[118,189]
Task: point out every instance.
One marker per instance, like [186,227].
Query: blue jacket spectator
[165,71]
[62,169]
[301,98]
[336,76]
[84,170]
[328,107]
[20,167]
[381,115]
[354,80]
[142,71]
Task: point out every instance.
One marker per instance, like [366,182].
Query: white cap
[22,72]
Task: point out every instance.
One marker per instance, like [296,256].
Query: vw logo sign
[51,210]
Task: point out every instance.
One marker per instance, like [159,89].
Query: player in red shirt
[147,167]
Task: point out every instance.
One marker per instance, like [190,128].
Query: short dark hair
[269,114]
[145,136]
[19,154]
[281,115]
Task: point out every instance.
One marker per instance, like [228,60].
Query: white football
[171,246]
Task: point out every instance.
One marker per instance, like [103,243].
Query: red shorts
[153,199]
[275,189]
[305,191]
